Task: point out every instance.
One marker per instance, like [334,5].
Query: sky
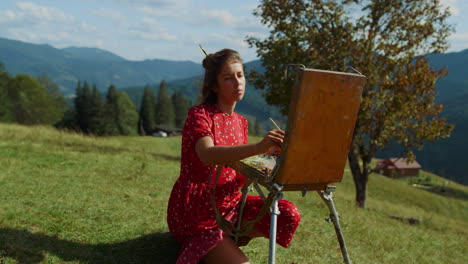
[156,29]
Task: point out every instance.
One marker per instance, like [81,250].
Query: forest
[29,100]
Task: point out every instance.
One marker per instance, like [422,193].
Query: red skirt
[197,240]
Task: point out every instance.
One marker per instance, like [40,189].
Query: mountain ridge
[68,65]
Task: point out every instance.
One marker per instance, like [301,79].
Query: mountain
[448,157]
[92,54]
[67,66]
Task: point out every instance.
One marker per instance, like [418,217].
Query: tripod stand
[326,196]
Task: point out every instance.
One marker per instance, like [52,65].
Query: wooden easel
[322,115]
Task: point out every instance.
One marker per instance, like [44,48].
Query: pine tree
[110,126]
[181,106]
[72,117]
[83,106]
[147,120]
[78,97]
[86,107]
[95,112]
[68,120]
[164,108]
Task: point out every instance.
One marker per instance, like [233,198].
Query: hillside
[447,157]
[68,198]
[67,66]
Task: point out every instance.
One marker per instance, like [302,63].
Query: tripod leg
[273,223]
[327,198]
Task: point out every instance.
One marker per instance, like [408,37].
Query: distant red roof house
[398,168]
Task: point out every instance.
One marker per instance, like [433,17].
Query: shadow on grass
[446,191]
[86,148]
[449,192]
[26,247]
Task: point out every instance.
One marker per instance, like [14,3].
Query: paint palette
[258,167]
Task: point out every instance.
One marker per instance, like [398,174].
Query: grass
[69,198]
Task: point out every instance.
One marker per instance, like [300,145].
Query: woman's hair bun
[206,61]
[209,62]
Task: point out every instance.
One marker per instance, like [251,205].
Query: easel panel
[322,115]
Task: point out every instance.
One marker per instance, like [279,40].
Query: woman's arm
[211,154]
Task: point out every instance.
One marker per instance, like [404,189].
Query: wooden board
[322,114]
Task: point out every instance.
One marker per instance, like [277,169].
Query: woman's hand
[274,138]
[211,154]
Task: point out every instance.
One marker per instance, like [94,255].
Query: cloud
[155,3]
[214,17]
[186,24]
[109,14]
[29,14]
[7,16]
[41,24]
[41,13]
[461,36]
[458,41]
[159,8]
[149,29]
[184,12]
[453,6]
[252,24]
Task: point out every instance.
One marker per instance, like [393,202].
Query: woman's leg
[287,223]
[226,252]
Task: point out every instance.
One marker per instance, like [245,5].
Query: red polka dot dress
[190,216]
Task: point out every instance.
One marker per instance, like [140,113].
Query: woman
[213,135]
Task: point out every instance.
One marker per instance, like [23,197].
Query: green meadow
[70,198]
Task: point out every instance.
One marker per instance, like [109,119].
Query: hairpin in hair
[204,51]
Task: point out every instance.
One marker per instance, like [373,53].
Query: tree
[5,105]
[83,106]
[77,102]
[95,110]
[58,100]
[110,123]
[181,106]
[68,120]
[30,102]
[164,107]
[380,38]
[147,120]
[127,118]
